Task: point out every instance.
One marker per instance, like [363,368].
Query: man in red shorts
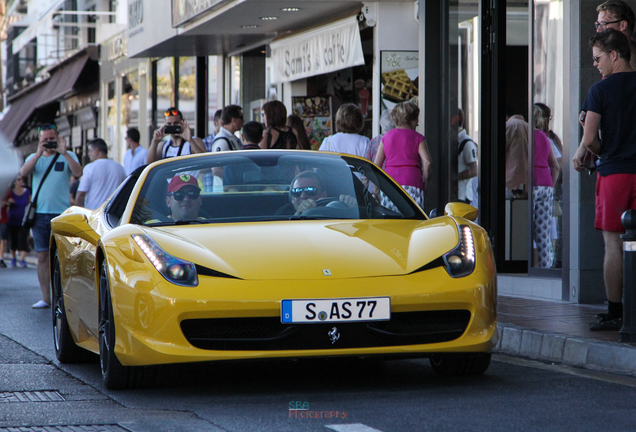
[611,110]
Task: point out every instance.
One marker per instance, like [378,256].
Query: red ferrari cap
[182,180]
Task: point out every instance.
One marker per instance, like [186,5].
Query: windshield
[268,185]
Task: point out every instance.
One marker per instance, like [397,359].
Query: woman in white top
[349,123]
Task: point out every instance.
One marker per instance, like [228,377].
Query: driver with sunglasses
[306,189]
[184,197]
[179,144]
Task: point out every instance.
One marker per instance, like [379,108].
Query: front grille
[269,334]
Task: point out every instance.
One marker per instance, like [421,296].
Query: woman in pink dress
[405,154]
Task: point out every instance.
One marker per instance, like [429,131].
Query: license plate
[336,310]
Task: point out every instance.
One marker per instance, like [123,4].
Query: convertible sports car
[268,254]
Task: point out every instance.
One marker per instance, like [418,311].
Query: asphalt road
[348,395]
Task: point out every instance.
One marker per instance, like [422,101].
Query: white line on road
[355,427]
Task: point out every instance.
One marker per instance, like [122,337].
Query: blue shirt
[54,196]
[613,98]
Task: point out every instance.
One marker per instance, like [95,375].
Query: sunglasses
[598,57]
[172,112]
[179,195]
[603,24]
[309,191]
[47,127]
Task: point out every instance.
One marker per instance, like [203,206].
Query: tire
[66,350]
[460,365]
[114,374]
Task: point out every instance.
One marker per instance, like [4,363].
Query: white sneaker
[41,305]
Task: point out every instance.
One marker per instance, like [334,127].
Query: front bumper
[151,317]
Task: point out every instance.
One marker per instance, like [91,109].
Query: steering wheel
[333,202]
[323,202]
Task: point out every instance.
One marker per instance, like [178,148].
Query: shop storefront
[124,96]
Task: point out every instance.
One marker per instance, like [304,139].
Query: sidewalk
[557,332]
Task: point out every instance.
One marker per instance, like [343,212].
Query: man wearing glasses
[617,15]
[184,197]
[231,122]
[181,141]
[610,109]
[306,189]
[53,195]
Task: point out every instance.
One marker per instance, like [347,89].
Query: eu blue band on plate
[287,312]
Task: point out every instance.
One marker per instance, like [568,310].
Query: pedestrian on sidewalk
[101,177]
[19,197]
[406,154]
[136,155]
[611,110]
[53,195]
[4,227]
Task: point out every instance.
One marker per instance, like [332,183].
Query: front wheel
[66,350]
[114,374]
[460,364]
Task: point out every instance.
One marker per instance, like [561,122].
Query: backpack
[230,145]
[463,144]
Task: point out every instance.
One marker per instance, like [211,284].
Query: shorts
[615,194]
[4,231]
[42,231]
[19,236]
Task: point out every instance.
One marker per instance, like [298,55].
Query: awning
[326,49]
[19,112]
[63,80]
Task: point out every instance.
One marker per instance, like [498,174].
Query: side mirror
[74,225]
[462,210]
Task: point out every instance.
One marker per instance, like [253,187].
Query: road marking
[355,427]
[571,370]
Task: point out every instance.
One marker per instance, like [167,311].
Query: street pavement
[402,395]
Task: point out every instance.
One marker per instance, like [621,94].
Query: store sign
[328,49]
[135,17]
[183,11]
[117,47]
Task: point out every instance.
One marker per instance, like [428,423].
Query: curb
[612,357]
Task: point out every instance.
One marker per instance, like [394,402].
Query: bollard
[628,332]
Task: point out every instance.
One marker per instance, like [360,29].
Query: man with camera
[181,141]
[53,195]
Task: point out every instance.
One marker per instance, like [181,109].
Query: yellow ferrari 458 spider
[268,254]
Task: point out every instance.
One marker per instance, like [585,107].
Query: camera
[172,129]
[50,144]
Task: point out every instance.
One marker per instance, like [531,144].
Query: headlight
[460,261]
[175,270]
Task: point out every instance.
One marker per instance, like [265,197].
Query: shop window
[548,118]
[213,98]
[165,94]
[235,80]
[111,115]
[129,105]
[186,89]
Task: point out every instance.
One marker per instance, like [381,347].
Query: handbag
[29,212]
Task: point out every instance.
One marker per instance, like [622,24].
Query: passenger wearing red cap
[184,197]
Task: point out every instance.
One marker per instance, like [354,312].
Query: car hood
[310,249]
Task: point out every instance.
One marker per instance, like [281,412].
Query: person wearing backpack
[231,122]
[466,160]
